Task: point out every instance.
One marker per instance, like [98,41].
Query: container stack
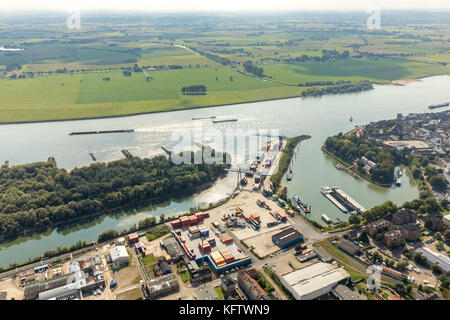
[184,222]
[204,232]
[199,216]
[227,256]
[194,233]
[217,258]
[193,220]
[211,241]
[176,224]
[205,247]
[226,239]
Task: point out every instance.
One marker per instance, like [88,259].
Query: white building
[119,255]
[447,220]
[313,281]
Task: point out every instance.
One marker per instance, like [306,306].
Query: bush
[108,235]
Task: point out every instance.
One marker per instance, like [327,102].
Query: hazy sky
[229,5]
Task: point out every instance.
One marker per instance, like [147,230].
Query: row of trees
[323,83]
[339,88]
[40,194]
[194,90]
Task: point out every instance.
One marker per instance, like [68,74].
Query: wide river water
[319,117]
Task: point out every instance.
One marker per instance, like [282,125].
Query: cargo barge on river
[100,132]
[342,200]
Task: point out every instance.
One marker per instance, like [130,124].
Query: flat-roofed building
[119,255]
[344,293]
[162,286]
[207,293]
[287,238]
[349,247]
[314,281]
[436,258]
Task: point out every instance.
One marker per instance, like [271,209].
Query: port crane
[241,171]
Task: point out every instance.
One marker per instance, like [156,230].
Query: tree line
[40,194]
[194,90]
[339,88]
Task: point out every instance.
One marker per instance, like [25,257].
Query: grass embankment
[285,160]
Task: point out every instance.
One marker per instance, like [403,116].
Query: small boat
[204,118]
[289,177]
[326,218]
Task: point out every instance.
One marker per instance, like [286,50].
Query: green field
[87,95]
[382,70]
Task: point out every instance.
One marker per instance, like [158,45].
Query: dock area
[349,199]
[335,202]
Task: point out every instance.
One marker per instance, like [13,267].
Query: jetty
[225,120]
[77,133]
[127,153]
[441,105]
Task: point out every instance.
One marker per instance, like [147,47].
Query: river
[319,117]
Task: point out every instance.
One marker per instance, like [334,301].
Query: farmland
[81,74]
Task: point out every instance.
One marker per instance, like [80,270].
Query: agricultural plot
[381,70]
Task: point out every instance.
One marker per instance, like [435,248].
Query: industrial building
[349,247]
[84,276]
[119,256]
[173,249]
[436,258]
[323,255]
[162,286]
[287,238]
[344,293]
[314,281]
